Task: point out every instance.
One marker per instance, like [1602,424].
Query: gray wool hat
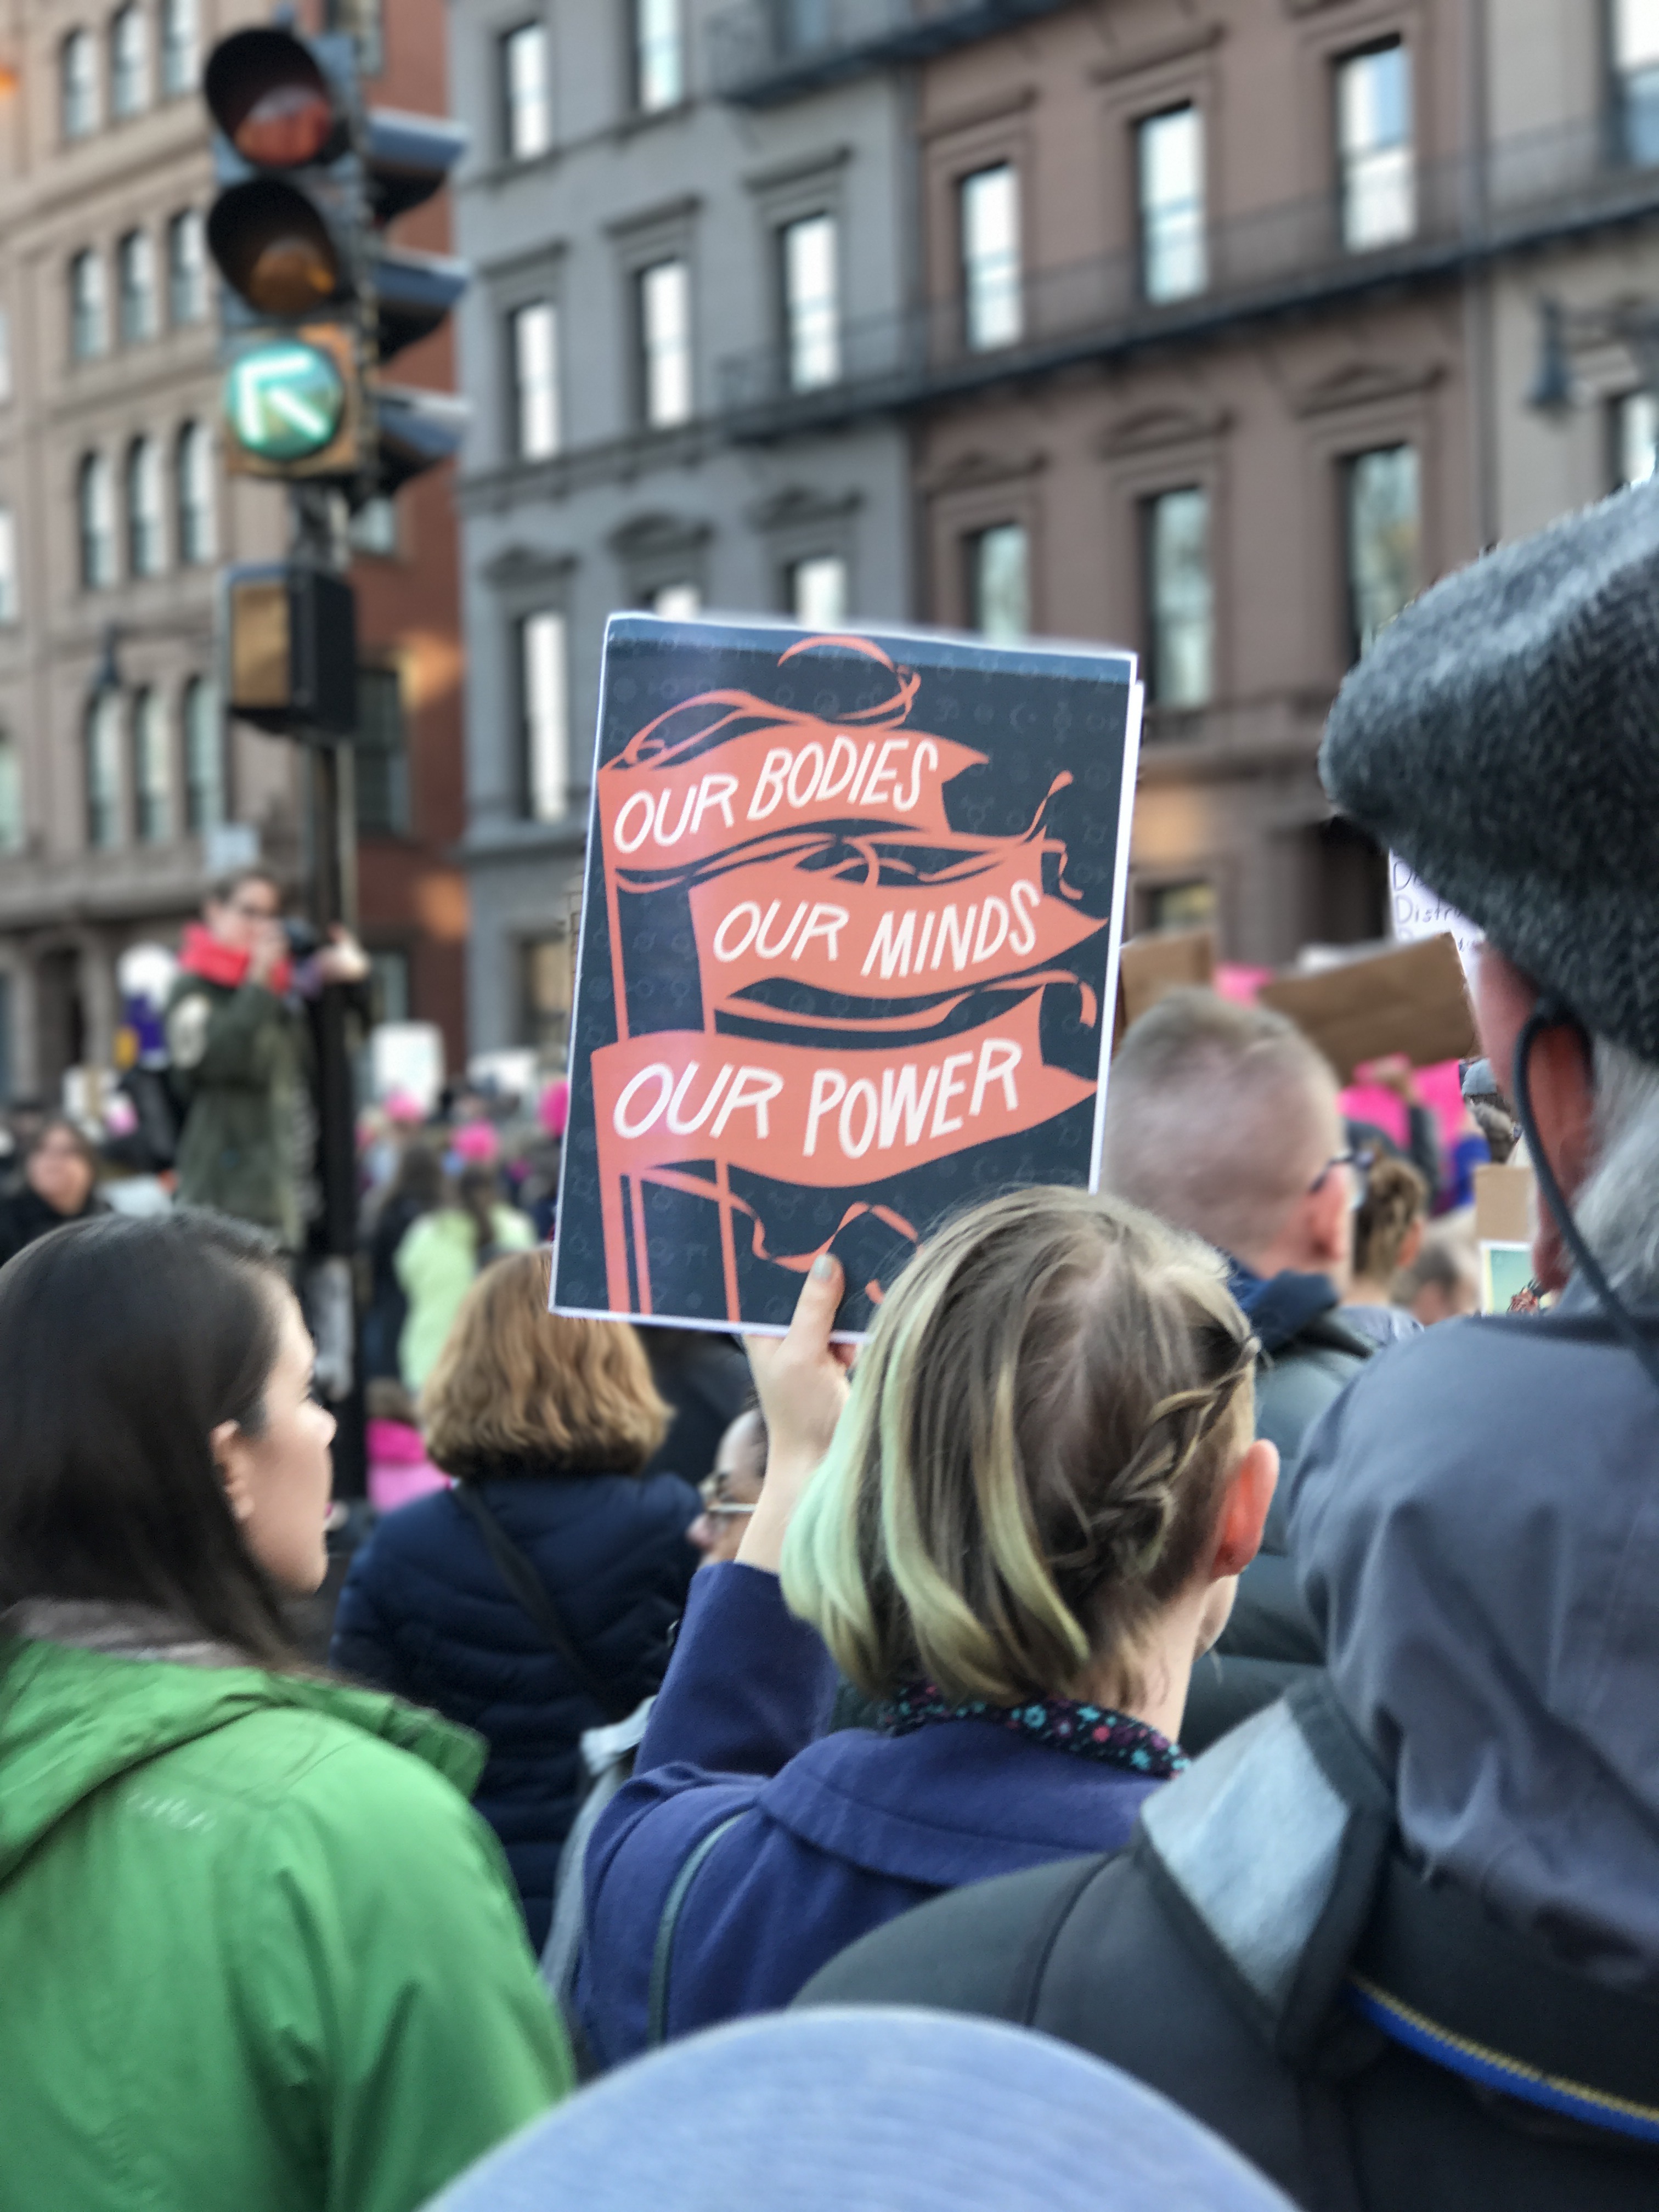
[1502,736]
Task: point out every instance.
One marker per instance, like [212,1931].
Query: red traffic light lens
[267,91]
[286,126]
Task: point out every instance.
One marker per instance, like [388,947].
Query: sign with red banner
[848,957]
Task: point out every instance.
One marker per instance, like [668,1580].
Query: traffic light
[315,297]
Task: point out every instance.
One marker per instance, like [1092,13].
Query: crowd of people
[1184,1627]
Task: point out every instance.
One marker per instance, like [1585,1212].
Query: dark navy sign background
[848,957]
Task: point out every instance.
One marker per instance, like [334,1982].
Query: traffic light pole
[331,901]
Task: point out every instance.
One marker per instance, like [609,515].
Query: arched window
[193,464]
[135,265]
[204,758]
[11,796]
[104,771]
[152,768]
[95,497]
[128,61]
[178,48]
[89,308]
[77,65]
[187,291]
[146,553]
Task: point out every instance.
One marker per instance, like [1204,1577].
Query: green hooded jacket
[257,1952]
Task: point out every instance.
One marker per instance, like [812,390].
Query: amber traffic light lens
[286,127]
[289,276]
[275,248]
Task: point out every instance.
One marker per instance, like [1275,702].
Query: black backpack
[1264,1954]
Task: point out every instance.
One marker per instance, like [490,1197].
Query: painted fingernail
[824,1268]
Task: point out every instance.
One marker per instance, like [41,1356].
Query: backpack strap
[1435,1974]
[662,1957]
[518,1570]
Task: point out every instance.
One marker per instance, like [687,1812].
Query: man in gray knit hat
[1397,1938]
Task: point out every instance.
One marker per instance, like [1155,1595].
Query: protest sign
[848,955]
[1505,1200]
[1413,1000]
[1416,912]
[1152,966]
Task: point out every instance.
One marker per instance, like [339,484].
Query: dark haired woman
[257,1952]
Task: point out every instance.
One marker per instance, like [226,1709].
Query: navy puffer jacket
[425,1613]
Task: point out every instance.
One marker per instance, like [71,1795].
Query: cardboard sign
[1414,1001]
[1417,912]
[848,955]
[1153,966]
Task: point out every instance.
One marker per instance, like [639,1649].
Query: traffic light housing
[290,649]
[315,297]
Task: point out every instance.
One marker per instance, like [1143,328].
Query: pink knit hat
[476,1143]
[555,1107]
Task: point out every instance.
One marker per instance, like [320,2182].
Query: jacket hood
[1475,1528]
[73,1720]
[1278,1308]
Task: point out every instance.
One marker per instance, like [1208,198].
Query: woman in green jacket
[259,1955]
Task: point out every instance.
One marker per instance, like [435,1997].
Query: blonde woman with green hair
[1013,1533]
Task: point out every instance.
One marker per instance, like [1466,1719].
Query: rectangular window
[534,333]
[1635,438]
[6,391]
[1385,549]
[178,48]
[526,94]
[998,582]
[381,755]
[205,758]
[1180,598]
[664,312]
[388,987]
[89,308]
[1182,906]
[681,601]
[1636,65]
[187,298]
[1375,150]
[374,527]
[811,302]
[1174,263]
[989,215]
[544,717]
[8,605]
[136,265]
[817,591]
[547,991]
[658,55]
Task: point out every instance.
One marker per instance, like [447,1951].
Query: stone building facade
[631,230]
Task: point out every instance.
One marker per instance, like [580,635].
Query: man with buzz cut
[1397,1937]
[1225,1120]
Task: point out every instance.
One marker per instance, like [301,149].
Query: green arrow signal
[284,402]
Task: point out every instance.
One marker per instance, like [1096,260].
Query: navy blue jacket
[838,1834]
[425,1613]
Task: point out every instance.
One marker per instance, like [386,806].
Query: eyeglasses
[1359,1166]
[715,1503]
